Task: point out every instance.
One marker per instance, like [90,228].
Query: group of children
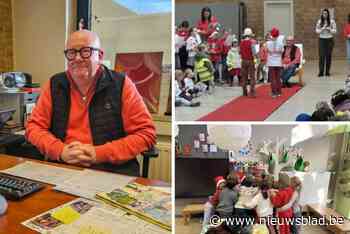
[220,58]
[247,198]
[338,109]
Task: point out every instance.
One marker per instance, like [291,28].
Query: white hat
[248,32]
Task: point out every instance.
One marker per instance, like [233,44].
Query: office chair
[29,151]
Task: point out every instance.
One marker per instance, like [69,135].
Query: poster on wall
[144,69]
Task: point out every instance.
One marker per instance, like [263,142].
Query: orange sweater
[137,123]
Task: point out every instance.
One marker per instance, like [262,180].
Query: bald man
[89,115]
[290,61]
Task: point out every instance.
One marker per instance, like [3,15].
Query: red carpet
[251,109]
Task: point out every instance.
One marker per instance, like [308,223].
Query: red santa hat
[219,180]
[274,32]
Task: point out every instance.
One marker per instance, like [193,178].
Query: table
[39,202]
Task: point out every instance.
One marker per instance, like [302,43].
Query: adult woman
[347,38]
[325,27]
[203,24]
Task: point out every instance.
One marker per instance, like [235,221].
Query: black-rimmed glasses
[85,52]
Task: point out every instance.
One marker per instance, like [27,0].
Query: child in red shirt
[247,51]
[262,58]
[215,49]
[347,37]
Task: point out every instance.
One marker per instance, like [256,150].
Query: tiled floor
[316,89]
[194,227]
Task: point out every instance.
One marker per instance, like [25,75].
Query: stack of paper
[43,173]
[90,182]
[86,217]
[142,201]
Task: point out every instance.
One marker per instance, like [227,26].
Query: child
[204,68]
[181,96]
[262,58]
[210,205]
[247,52]
[183,32]
[191,47]
[190,87]
[247,192]
[179,42]
[228,198]
[293,203]
[278,199]
[215,45]
[274,62]
[233,61]
[262,204]
[226,46]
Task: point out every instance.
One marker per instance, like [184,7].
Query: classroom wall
[39,37]
[123,31]
[317,150]
[6,30]
[306,14]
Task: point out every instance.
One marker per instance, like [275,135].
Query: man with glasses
[290,61]
[89,115]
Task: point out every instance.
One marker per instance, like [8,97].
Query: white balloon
[229,137]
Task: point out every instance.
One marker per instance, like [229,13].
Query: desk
[37,203]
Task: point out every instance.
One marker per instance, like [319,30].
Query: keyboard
[15,188]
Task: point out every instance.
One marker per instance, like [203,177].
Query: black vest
[105,117]
[292,52]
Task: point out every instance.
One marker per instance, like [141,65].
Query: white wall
[316,150]
[270,132]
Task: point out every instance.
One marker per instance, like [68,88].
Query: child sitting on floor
[181,96]
[190,87]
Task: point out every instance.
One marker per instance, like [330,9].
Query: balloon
[230,137]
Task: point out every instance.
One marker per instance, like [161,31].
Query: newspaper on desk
[88,183]
[82,183]
[88,217]
[41,172]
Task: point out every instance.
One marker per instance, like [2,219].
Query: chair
[29,151]
[153,152]
[300,70]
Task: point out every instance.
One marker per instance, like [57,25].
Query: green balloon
[299,164]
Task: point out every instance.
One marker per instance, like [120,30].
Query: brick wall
[306,14]
[6,45]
